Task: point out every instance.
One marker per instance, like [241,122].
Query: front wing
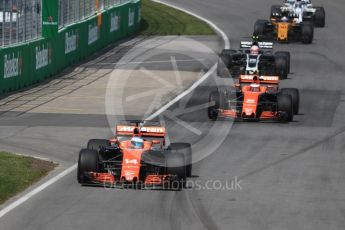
[152,181]
[265,115]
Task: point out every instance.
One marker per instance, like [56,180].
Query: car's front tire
[260,28]
[286,55]
[320,17]
[186,150]
[307,33]
[294,93]
[87,162]
[97,144]
[285,105]
[214,100]
[281,67]
[175,165]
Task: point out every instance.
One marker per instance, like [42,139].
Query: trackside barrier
[24,64]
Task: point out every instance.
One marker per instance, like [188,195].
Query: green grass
[158,19]
[19,172]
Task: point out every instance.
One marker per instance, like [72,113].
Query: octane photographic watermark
[233,185]
[230,185]
[158,71]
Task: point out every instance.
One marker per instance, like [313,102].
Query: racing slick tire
[186,150]
[281,65]
[87,162]
[97,144]
[320,17]
[285,105]
[307,33]
[294,93]
[287,56]
[260,28]
[212,110]
[275,11]
[175,165]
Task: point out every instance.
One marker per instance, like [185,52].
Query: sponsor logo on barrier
[114,22]
[50,22]
[93,33]
[131,15]
[71,41]
[12,65]
[42,56]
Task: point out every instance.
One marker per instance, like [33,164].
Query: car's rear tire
[175,165]
[307,33]
[87,162]
[285,105]
[320,17]
[97,144]
[294,93]
[287,55]
[281,65]
[212,110]
[186,150]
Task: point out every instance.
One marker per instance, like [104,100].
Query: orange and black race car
[136,157]
[285,28]
[254,98]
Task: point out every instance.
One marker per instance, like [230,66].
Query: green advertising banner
[50,18]
[28,63]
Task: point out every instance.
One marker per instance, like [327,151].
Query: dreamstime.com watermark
[232,185]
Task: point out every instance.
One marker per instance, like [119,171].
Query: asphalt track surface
[291,175]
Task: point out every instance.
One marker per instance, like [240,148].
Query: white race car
[300,10]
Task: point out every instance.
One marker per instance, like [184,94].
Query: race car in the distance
[254,98]
[254,58]
[302,11]
[285,26]
[136,157]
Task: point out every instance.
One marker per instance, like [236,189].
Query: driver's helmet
[284,19]
[255,87]
[254,50]
[137,142]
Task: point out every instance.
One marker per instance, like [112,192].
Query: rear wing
[262,45]
[271,80]
[143,131]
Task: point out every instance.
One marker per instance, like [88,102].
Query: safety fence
[30,62]
[71,11]
[20,21]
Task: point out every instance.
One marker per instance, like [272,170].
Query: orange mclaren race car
[254,98]
[137,157]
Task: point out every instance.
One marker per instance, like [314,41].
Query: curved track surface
[291,175]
